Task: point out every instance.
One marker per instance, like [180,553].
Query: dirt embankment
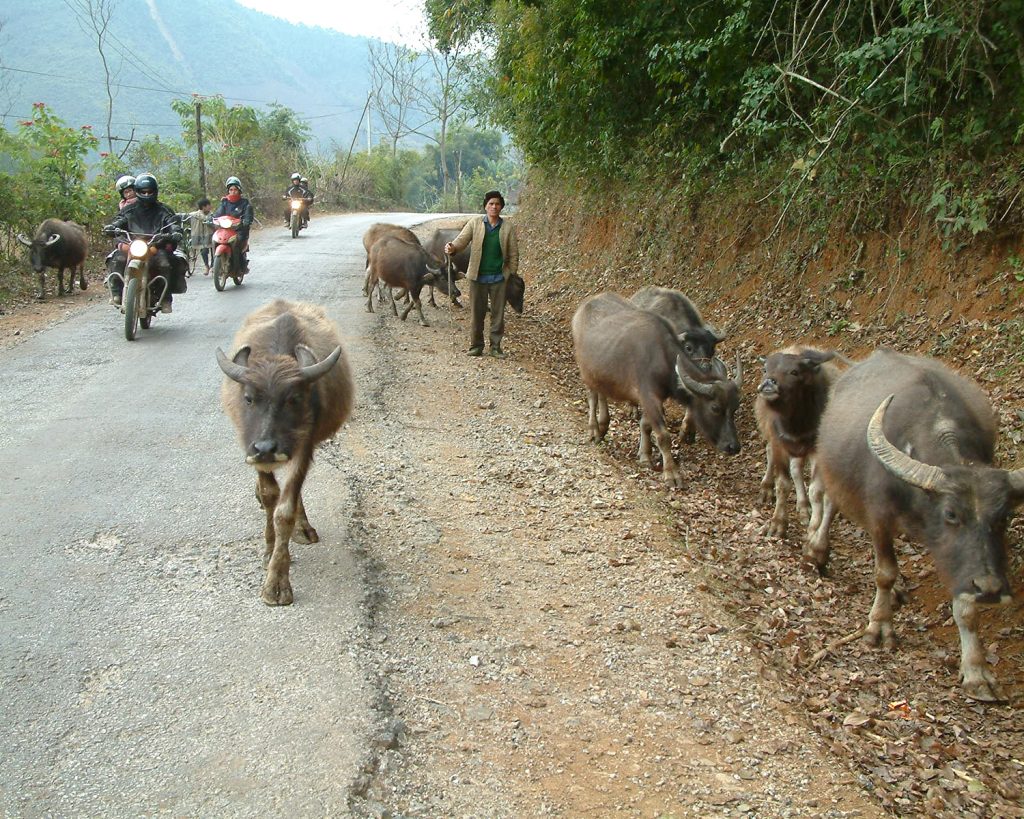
[917,744]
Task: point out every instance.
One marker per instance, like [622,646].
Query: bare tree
[394,77]
[441,98]
[94,19]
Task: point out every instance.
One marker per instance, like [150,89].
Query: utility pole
[199,146]
[355,136]
[369,126]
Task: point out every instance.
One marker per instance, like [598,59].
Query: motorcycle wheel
[145,321]
[220,275]
[237,279]
[130,299]
[295,225]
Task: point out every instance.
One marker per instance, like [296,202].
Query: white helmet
[296,177]
[125,181]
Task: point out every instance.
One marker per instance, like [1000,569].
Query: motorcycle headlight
[138,248]
[296,204]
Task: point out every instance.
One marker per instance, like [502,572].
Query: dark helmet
[233,180]
[146,188]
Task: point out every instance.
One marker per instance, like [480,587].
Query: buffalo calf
[288,388]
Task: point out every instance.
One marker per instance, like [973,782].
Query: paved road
[140,672]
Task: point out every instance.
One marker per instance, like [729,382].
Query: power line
[182,94]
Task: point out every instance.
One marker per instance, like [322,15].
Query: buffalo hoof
[305,534]
[82,283]
[983,687]
[776,528]
[277,592]
[766,496]
[880,635]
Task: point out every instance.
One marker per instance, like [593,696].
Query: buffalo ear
[304,355]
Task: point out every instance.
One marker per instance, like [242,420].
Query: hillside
[205,46]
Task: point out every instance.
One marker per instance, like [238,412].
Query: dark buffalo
[398,263]
[906,448]
[288,389]
[378,230]
[62,246]
[628,354]
[697,336]
[459,261]
[790,402]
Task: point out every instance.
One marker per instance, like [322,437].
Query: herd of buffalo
[899,444]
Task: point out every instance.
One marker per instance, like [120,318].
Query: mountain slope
[164,50]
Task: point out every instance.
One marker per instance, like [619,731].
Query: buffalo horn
[236,368]
[24,240]
[927,477]
[54,238]
[1016,479]
[696,387]
[313,371]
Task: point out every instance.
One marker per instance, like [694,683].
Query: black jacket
[151,218]
[240,210]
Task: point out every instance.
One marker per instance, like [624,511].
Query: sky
[397,21]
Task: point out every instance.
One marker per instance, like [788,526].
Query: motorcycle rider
[294,192]
[234,204]
[148,215]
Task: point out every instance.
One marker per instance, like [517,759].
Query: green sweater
[490,257]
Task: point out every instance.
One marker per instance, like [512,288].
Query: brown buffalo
[288,389]
[790,401]
[906,448]
[398,263]
[628,354]
[62,246]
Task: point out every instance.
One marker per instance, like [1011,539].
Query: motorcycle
[297,219]
[227,256]
[140,273]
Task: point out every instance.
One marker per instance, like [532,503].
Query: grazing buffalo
[790,401]
[906,447]
[459,261]
[398,263]
[378,230]
[628,354]
[288,388]
[697,337]
[62,246]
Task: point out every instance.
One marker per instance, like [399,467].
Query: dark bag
[515,292]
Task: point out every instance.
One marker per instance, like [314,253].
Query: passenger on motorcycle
[309,197]
[234,204]
[126,188]
[296,191]
[147,215]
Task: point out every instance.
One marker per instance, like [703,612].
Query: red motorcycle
[227,254]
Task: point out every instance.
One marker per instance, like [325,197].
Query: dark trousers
[480,296]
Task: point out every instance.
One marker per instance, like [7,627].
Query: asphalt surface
[140,672]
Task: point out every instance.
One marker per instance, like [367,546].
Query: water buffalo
[288,388]
[790,401]
[460,261]
[398,263]
[629,354]
[698,338]
[378,230]
[62,246]
[906,447]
